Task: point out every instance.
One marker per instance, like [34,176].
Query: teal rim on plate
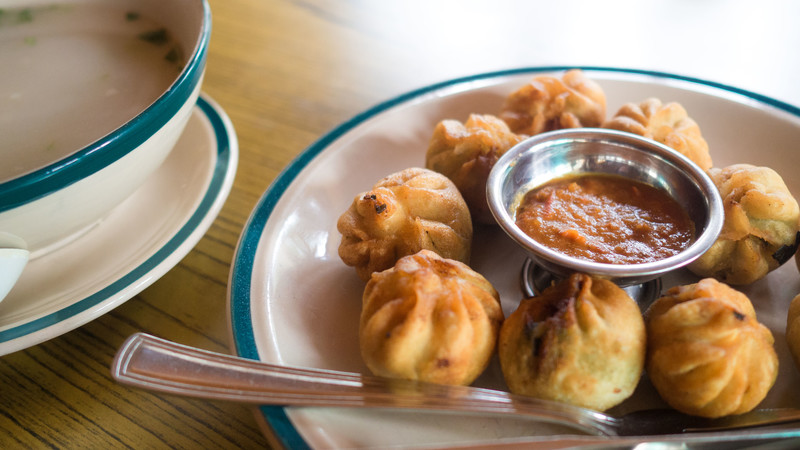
[224,158]
[242,276]
[123,140]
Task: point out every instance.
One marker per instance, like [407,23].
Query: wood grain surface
[288,71]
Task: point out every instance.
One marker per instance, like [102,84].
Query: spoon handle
[156,364]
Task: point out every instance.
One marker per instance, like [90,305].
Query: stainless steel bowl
[546,156]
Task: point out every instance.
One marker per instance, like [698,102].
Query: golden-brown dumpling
[582,341]
[466,153]
[548,103]
[707,355]
[668,124]
[430,319]
[760,228]
[793,330]
[405,212]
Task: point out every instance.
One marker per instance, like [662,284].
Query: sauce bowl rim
[561,263]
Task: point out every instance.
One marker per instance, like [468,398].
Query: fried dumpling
[429,319]
[405,212]
[582,341]
[668,124]
[550,103]
[466,153]
[707,355]
[759,233]
[793,329]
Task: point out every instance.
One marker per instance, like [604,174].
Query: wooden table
[286,72]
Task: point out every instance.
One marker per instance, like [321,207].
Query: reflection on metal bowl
[551,155]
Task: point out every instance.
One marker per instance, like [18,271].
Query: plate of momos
[373,252]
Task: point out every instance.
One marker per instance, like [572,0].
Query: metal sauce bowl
[555,154]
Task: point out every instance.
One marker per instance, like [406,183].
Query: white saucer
[134,246]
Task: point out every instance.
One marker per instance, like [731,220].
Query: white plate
[293,302]
[134,246]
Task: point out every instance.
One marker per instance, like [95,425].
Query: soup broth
[73,73]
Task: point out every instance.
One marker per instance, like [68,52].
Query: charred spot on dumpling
[530,325]
[379,207]
[561,300]
[537,347]
[786,252]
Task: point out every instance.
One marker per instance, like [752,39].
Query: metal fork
[157,364]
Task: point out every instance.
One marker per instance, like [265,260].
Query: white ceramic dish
[134,246]
[293,302]
[93,97]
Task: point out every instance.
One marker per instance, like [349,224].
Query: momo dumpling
[549,103]
[466,153]
[582,342]
[668,124]
[759,232]
[793,330]
[405,212]
[429,319]
[707,355]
